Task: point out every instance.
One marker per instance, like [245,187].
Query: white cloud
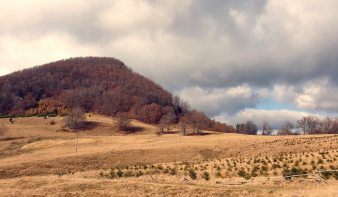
[313,95]
[215,101]
[318,95]
[4,71]
[205,51]
[130,15]
[21,53]
[283,93]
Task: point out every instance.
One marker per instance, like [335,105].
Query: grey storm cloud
[266,49]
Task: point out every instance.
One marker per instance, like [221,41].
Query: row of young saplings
[235,168]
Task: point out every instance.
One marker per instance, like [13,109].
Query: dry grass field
[39,159]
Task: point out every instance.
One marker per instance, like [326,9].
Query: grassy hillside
[37,158]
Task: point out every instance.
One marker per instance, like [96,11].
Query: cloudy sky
[235,60]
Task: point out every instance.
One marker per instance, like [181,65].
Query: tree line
[307,125]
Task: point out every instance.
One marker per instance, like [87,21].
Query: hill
[37,158]
[97,84]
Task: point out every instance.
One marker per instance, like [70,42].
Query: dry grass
[37,158]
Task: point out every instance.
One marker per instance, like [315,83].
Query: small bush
[320,161]
[119,173]
[206,176]
[218,174]
[335,175]
[274,166]
[326,175]
[159,167]
[129,174]
[52,122]
[139,173]
[296,163]
[192,174]
[254,170]
[241,172]
[52,115]
[112,174]
[173,171]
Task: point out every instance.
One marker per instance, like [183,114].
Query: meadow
[39,157]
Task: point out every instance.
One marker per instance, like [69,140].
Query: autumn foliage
[98,85]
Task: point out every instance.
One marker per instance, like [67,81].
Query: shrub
[296,163]
[112,174]
[159,167]
[52,115]
[335,175]
[320,161]
[173,171]
[192,174]
[206,176]
[139,173]
[274,166]
[129,174]
[52,122]
[326,175]
[241,172]
[263,169]
[254,170]
[119,173]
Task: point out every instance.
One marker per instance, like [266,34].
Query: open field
[37,158]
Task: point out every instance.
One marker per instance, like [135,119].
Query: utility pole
[180,132]
[77,141]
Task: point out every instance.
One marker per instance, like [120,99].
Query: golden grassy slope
[37,158]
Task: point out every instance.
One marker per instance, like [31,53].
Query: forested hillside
[98,85]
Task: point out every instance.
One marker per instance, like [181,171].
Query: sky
[234,60]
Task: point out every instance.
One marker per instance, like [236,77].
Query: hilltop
[99,85]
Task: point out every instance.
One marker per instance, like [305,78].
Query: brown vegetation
[37,160]
[98,85]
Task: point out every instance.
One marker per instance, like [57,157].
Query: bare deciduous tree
[250,128]
[167,119]
[326,125]
[313,123]
[75,119]
[267,129]
[161,125]
[286,128]
[198,121]
[334,127]
[184,124]
[309,124]
[123,121]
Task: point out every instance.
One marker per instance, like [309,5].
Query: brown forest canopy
[96,84]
